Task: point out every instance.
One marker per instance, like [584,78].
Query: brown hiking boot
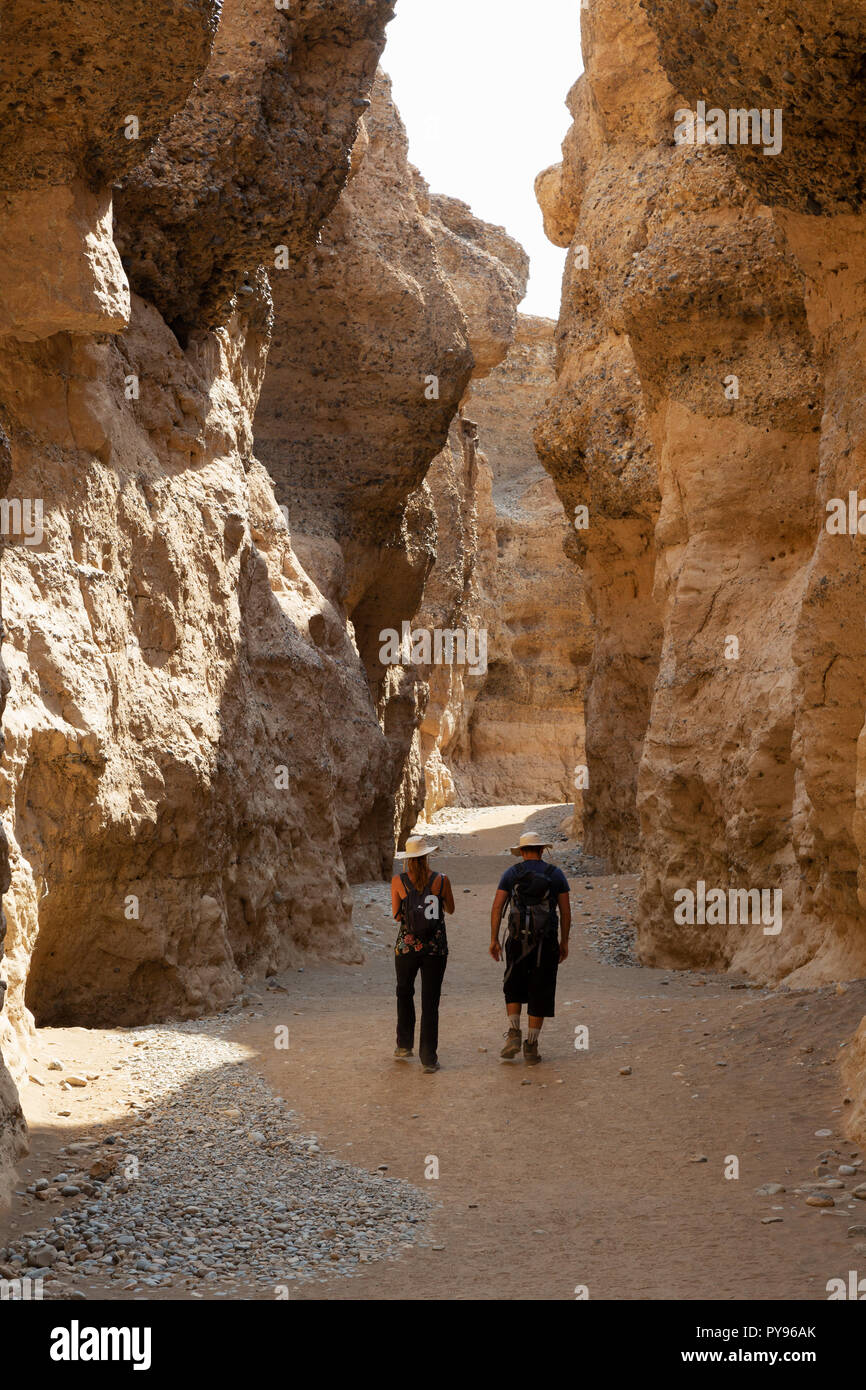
[402,1053]
[530,1053]
[512,1044]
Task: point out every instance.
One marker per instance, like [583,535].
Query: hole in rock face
[181,332]
[318,629]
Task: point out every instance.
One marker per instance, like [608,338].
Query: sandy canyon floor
[279,1151]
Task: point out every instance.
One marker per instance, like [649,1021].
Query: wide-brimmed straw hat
[416,848]
[531,841]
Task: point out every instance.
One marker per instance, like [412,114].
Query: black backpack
[421,911]
[532,915]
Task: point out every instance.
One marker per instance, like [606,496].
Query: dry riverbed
[278,1151]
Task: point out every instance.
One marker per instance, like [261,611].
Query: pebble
[612,941]
[625,1071]
[858,1229]
[76,1080]
[769,1189]
[818,1199]
[860,1192]
[846,1170]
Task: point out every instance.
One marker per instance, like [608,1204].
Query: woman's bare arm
[397,896]
[447,894]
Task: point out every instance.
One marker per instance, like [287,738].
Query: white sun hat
[416,848]
[531,841]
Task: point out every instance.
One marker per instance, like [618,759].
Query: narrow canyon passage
[571,1175]
[374,465]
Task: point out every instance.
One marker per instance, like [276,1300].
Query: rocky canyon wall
[593,438]
[708,403]
[203,743]
[63,142]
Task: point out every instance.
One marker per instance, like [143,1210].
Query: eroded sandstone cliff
[519,739]
[203,744]
[593,438]
[708,398]
[64,139]
[804,71]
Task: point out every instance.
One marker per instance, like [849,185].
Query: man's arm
[564,902]
[495,918]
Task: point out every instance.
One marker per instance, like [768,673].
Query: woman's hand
[496,949]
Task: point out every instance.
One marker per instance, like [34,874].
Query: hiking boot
[429,1066]
[530,1053]
[401,1053]
[512,1044]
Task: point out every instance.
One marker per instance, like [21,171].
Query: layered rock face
[453,601]
[719,312]
[249,169]
[805,71]
[522,738]
[64,138]
[378,332]
[815,188]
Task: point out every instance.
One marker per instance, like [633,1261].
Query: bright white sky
[481,87]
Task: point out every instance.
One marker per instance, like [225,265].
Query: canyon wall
[406,297]
[708,402]
[593,438]
[521,738]
[64,140]
[202,745]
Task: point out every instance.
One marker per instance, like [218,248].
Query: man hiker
[535,889]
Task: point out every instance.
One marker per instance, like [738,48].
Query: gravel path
[212,1185]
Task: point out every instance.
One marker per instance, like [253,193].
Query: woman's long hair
[418,871]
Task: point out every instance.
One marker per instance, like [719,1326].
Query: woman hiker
[419,899]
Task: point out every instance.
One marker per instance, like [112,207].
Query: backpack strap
[409,886]
[522,871]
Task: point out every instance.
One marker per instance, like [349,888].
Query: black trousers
[432,971]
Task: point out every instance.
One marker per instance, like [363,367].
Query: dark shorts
[533,980]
